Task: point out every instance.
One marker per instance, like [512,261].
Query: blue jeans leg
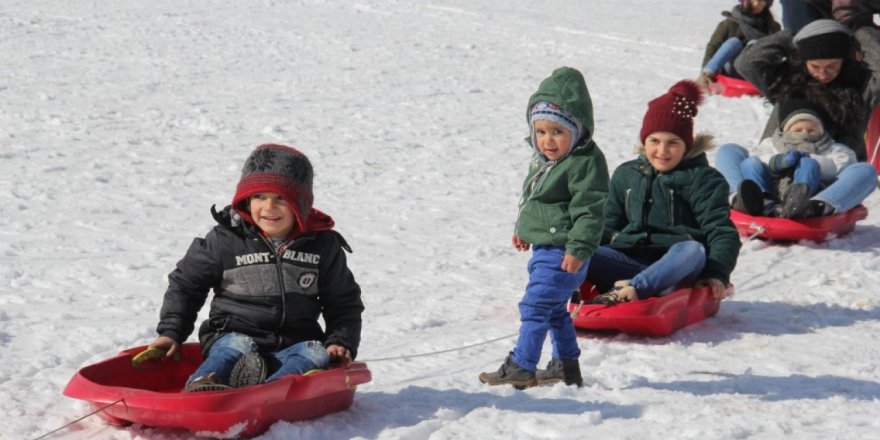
[542,308]
[808,171]
[851,187]
[223,355]
[797,14]
[608,265]
[681,264]
[727,161]
[753,169]
[726,53]
[297,359]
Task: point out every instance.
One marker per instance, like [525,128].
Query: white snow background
[122,122]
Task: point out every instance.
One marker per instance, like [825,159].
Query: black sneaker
[749,198]
[510,374]
[208,382]
[249,370]
[796,201]
[818,208]
[558,370]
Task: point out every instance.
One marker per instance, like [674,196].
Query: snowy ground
[122,122]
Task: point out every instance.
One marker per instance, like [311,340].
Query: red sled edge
[817,229]
[151,395]
[732,87]
[656,316]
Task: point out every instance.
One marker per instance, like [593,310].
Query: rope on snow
[81,418]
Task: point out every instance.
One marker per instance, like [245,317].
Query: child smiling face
[272,214]
[553,139]
[664,150]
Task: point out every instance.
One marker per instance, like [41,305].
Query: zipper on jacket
[626,202]
[671,207]
[280,272]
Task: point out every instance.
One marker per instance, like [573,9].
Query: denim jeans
[806,171]
[227,350]
[722,61]
[543,309]
[680,265]
[797,14]
[848,190]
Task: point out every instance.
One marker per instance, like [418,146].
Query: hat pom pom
[689,90]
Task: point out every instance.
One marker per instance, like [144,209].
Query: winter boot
[796,201]
[249,370]
[561,370]
[510,374]
[622,292]
[209,382]
[749,198]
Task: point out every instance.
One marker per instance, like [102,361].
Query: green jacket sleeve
[589,191]
[712,212]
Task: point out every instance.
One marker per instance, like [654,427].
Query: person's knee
[239,342]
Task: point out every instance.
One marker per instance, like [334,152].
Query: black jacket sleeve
[340,298]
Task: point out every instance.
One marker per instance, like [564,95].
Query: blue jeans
[680,265]
[851,186]
[722,61]
[797,14]
[806,171]
[543,309]
[227,350]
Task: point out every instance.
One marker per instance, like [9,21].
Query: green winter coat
[730,27]
[649,211]
[563,201]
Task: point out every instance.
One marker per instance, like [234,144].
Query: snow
[122,122]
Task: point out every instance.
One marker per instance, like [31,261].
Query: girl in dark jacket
[748,21]
[667,220]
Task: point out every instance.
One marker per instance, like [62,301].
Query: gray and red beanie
[673,112]
[552,112]
[823,39]
[279,169]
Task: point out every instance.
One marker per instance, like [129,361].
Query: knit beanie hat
[552,112]
[674,112]
[823,39]
[795,110]
[277,169]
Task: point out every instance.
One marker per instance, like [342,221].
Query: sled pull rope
[450,350]
[758,230]
[81,418]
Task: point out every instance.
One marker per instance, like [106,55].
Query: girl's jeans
[226,351]
[722,61]
[852,185]
[681,264]
[544,309]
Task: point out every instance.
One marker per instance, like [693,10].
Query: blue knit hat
[551,112]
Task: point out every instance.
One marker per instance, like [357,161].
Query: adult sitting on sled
[667,220]
[816,65]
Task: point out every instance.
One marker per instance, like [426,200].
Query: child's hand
[571,264]
[519,244]
[339,353]
[165,343]
[719,289]
[784,161]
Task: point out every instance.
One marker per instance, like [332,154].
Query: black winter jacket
[274,299]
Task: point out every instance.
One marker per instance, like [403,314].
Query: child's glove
[782,162]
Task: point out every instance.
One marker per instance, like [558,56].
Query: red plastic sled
[816,229]
[732,87]
[872,139]
[656,316]
[151,395]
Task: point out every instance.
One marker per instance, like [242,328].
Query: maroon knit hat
[278,169]
[674,112]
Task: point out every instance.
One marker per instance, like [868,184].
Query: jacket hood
[566,88]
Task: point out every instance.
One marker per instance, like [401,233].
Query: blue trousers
[722,61]
[681,264]
[226,351]
[852,185]
[806,171]
[543,309]
[797,14]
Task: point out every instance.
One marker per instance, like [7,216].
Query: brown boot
[208,382]
[510,374]
[559,370]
